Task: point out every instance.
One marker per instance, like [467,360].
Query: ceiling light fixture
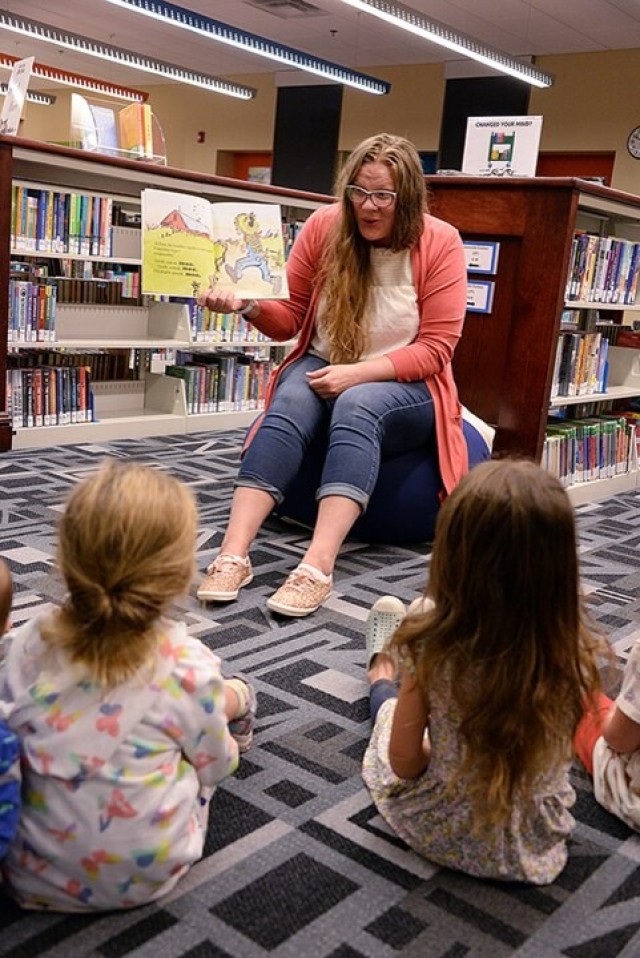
[31,96]
[408,19]
[251,43]
[103,51]
[88,84]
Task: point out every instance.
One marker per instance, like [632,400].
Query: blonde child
[470,764]
[608,744]
[122,716]
[9,744]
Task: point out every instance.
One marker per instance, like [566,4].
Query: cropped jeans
[360,426]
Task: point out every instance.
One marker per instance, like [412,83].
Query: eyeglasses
[381,199]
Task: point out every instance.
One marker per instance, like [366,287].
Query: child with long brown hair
[123,717]
[470,763]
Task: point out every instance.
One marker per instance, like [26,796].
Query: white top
[391,315]
[616,775]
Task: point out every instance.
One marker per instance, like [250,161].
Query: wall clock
[633,143]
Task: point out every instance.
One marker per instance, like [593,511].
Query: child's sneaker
[385,616]
[226,575]
[241,728]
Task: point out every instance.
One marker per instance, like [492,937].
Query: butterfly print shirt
[117,783]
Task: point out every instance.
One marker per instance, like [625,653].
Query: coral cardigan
[439,276]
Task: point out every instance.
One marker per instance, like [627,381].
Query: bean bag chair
[404,503]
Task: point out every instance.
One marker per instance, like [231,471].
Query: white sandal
[384,618]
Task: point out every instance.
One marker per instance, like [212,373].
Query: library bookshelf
[504,363]
[152,403]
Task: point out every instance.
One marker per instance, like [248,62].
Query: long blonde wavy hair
[126,548]
[345,269]
[508,632]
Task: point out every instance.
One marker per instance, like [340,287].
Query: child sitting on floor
[608,744]
[9,744]
[122,716]
[470,763]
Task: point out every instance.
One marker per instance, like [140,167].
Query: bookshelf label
[480,296]
[482,257]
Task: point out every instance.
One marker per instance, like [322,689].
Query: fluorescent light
[103,51]
[88,84]
[31,96]
[251,43]
[408,19]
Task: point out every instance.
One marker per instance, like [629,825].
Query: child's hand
[620,732]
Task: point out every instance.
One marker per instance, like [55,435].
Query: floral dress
[433,814]
[116,784]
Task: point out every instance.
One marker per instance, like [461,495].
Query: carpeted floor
[297,862]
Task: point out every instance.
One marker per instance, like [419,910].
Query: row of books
[49,396]
[223,382]
[103,365]
[106,287]
[32,311]
[582,450]
[580,366]
[603,269]
[210,327]
[51,221]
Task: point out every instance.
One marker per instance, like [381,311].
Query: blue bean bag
[404,503]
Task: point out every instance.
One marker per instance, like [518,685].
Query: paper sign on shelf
[502,145]
[16,93]
[481,257]
[480,296]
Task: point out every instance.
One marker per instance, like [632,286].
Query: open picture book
[189,243]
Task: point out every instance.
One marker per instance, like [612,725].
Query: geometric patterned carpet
[297,861]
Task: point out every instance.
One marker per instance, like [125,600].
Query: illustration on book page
[189,244]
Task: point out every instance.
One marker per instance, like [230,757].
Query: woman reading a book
[377,301]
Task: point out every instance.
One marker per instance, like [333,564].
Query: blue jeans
[359,426]
[379,692]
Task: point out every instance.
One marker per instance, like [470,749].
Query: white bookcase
[154,404]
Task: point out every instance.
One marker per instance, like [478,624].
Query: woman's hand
[330,381]
[219,300]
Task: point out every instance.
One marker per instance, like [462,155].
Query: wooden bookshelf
[504,362]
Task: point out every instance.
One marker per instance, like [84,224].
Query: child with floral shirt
[123,717]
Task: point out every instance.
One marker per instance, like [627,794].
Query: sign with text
[480,296]
[16,93]
[481,257]
[502,145]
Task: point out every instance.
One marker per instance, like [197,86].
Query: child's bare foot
[382,666]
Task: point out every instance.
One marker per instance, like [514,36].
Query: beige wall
[413,108]
[592,106]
